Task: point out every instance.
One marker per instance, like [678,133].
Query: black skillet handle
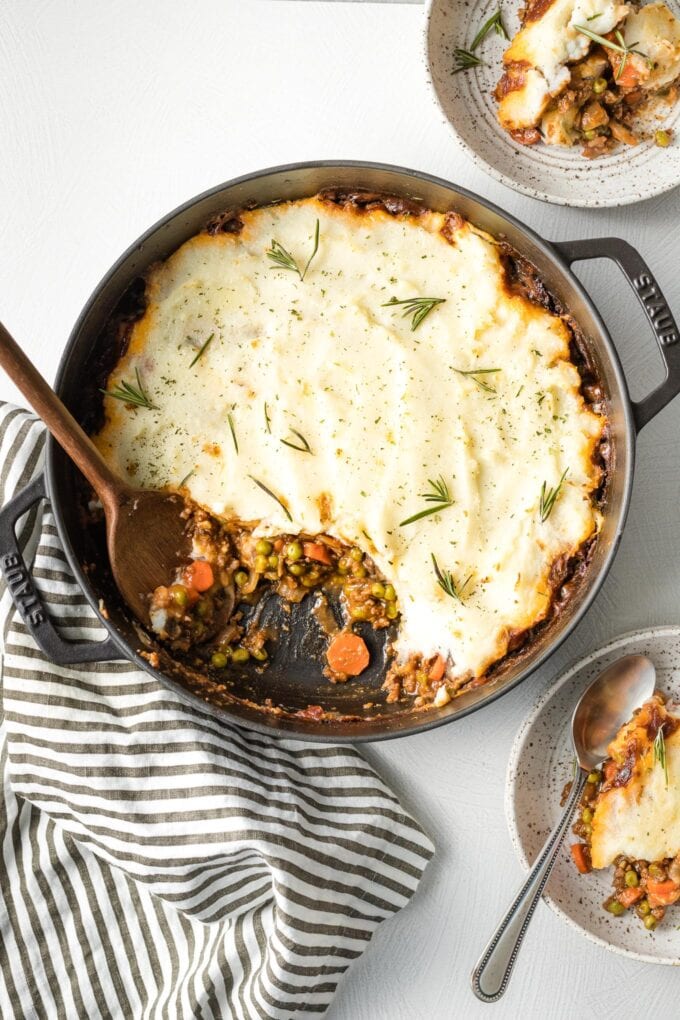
[654,304]
[26,598]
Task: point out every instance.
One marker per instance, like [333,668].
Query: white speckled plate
[551,173]
[540,765]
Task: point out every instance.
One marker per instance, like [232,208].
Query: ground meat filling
[198,610]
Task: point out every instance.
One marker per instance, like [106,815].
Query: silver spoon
[604,707]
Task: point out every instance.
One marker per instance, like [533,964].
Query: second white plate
[541,763]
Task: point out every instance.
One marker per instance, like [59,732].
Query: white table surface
[113,113]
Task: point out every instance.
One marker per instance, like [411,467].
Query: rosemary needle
[202,350]
[464,60]
[660,752]
[439,494]
[232,430]
[549,497]
[284,260]
[495,22]
[131,394]
[418,308]
[447,582]
[272,495]
[304,448]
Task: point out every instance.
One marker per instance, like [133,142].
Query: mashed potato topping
[315,405]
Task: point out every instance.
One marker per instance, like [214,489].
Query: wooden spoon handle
[58,419]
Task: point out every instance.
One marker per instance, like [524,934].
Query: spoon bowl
[607,704]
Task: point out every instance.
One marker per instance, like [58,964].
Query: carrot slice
[437,668]
[199,575]
[630,74]
[628,897]
[581,855]
[662,894]
[317,551]
[347,653]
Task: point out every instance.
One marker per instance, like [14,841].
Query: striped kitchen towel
[156,862]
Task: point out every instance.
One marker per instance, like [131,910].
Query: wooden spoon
[145,532]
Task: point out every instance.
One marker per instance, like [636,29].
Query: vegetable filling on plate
[594,73]
[629,816]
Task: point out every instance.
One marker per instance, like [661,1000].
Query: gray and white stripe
[157,863]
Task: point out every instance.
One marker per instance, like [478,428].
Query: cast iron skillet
[293,680]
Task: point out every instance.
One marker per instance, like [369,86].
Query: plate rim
[543,196]
[672,630]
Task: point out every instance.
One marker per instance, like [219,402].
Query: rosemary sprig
[131,394]
[495,22]
[464,60]
[418,308]
[549,497]
[202,350]
[305,448]
[284,260]
[619,47]
[474,372]
[232,430]
[660,752]
[267,419]
[439,494]
[448,583]
[273,495]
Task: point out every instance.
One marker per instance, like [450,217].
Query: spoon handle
[491,975]
[56,416]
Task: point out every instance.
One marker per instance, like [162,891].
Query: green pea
[616,908]
[390,593]
[631,879]
[241,578]
[359,613]
[586,815]
[594,777]
[261,564]
[587,828]
[240,655]
[599,86]
[662,138]
[343,566]
[219,660]
[204,608]
[378,590]
[356,554]
[179,596]
[293,551]
[655,871]
[260,654]
[263,547]
[392,611]
[643,908]
[649,922]
[359,570]
[273,561]
[309,580]
[589,135]
[296,569]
